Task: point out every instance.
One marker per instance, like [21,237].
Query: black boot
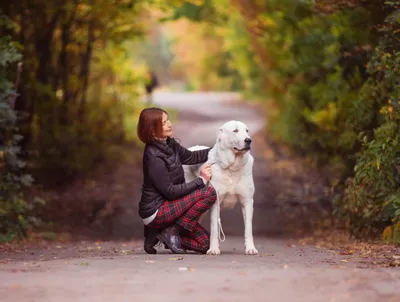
[150,240]
[170,237]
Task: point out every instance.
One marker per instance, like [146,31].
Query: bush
[16,215]
[372,199]
[329,76]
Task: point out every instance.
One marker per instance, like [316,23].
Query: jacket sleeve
[159,176]
[188,157]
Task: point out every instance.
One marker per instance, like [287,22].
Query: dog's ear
[219,133]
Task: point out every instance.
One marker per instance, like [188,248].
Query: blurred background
[75,74]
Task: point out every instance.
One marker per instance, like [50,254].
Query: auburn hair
[150,124]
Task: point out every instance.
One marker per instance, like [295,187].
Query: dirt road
[285,269]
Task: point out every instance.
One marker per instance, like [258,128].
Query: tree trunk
[85,70]
[44,50]
[63,71]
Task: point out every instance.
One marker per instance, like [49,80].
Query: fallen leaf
[15,286]
[346,252]
[344,260]
[285,266]
[149,261]
[176,258]
[82,263]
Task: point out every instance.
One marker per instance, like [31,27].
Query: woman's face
[166,126]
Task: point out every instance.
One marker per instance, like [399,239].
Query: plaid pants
[186,212]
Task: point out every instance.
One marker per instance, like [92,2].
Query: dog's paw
[214,251]
[251,250]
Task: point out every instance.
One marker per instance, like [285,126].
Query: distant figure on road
[169,207]
[151,84]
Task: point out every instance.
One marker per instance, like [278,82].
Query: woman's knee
[209,193]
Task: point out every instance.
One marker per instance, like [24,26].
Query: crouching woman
[169,207]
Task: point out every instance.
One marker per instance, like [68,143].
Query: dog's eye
[236,130]
[247,130]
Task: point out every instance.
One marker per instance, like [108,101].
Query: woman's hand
[206,172]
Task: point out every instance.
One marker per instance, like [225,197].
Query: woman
[169,207]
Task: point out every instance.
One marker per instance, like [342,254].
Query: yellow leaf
[176,258]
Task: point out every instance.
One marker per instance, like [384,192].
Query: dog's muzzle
[247,143]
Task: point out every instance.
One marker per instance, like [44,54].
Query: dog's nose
[247,141]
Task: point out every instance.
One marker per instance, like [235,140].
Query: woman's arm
[159,176]
[188,157]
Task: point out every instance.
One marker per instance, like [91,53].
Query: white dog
[232,177]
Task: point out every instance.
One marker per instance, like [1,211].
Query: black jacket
[163,176]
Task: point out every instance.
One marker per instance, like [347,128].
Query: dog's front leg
[247,211]
[214,244]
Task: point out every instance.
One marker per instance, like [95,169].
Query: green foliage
[247,72]
[111,111]
[328,77]
[326,74]
[312,94]
[75,105]
[372,199]
[196,11]
[323,99]
[208,65]
[16,215]
[126,79]
[77,92]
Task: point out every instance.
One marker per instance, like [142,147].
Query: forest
[327,72]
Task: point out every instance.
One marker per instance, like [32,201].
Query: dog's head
[234,135]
